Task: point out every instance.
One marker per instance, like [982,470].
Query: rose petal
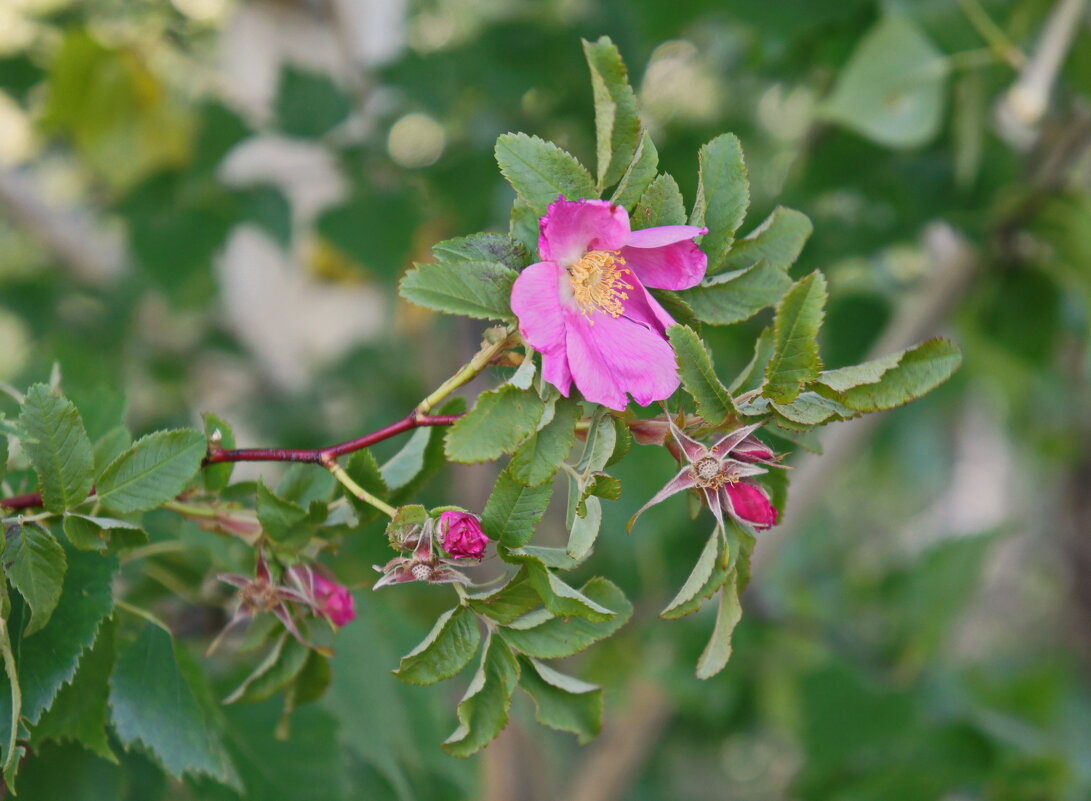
[666,257]
[641,307]
[610,357]
[753,449]
[573,227]
[555,370]
[536,301]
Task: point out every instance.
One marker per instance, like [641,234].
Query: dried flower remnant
[259,594]
[329,597]
[721,472]
[423,564]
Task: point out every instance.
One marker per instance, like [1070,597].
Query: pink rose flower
[334,600]
[586,309]
[462,535]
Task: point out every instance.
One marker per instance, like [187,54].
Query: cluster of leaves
[72,661]
[784,384]
[535,616]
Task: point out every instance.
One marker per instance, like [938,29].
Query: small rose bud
[334,600]
[753,449]
[462,535]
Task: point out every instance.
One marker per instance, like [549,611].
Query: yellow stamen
[598,282]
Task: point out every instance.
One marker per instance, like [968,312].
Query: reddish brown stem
[217,455]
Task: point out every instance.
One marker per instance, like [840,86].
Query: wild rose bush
[595,300]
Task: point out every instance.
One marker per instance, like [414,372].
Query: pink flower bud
[753,449]
[334,600]
[751,503]
[462,535]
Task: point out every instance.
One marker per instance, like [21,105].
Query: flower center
[598,282]
[421,571]
[707,472]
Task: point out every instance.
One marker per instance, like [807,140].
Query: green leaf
[892,88]
[751,375]
[309,104]
[723,193]
[480,289]
[585,530]
[639,174]
[154,706]
[284,521]
[525,225]
[281,666]
[561,599]
[735,296]
[311,764]
[420,459]
[313,680]
[623,442]
[49,659]
[538,459]
[895,379]
[563,702]
[502,248]
[365,471]
[218,476]
[512,601]
[539,171]
[499,421]
[35,565]
[80,711]
[546,636]
[58,448]
[523,378]
[660,204]
[110,446]
[604,486]
[778,241]
[601,441]
[67,771]
[811,409]
[94,533]
[795,359]
[514,510]
[153,471]
[483,710]
[708,575]
[714,402]
[550,557]
[617,119]
[449,646]
[714,658]
[406,464]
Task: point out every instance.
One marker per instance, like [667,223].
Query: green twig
[346,480]
[468,371]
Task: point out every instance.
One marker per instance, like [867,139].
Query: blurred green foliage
[902,646]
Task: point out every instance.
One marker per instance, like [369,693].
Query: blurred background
[208,203]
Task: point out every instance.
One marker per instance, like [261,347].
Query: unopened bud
[462,535]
